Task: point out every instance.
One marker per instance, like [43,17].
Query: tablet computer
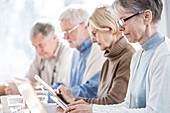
[32,101]
[55,97]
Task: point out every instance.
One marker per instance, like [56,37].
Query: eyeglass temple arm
[132,16]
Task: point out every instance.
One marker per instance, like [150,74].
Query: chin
[130,40]
[45,57]
[72,45]
[104,49]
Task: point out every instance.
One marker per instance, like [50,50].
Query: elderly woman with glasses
[116,69]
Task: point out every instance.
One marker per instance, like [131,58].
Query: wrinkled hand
[60,110]
[66,93]
[78,102]
[79,106]
[9,91]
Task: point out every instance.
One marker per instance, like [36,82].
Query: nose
[66,36]
[39,50]
[93,39]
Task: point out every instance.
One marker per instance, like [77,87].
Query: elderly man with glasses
[87,58]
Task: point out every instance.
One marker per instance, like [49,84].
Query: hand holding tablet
[54,96]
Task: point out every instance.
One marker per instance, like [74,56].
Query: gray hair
[75,15]
[135,6]
[45,28]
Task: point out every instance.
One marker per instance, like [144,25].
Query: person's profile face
[104,38]
[44,46]
[131,24]
[72,33]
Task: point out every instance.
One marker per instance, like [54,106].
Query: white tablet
[54,96]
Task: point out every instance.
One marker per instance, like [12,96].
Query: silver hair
[75,15]
[45,28]
[135,6]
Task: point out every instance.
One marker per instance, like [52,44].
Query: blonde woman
[116,69]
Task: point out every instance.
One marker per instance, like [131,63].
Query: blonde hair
[103,18]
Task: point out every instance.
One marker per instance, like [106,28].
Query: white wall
[167,16]
[16,19]
[164,23]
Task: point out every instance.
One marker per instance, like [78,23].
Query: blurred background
[17,18]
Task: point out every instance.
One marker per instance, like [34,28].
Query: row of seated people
[98,80]
[86,70]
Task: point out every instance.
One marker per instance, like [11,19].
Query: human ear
[147,17]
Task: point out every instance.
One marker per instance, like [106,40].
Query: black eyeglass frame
[121,22]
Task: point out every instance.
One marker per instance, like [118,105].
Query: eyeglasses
[71,30]
[121,22]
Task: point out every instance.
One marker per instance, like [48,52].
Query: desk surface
[51,108]
[1,108]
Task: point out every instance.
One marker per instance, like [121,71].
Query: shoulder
[65,49]
[163,49]
[161,55]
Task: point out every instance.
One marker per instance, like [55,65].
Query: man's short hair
[45,28]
